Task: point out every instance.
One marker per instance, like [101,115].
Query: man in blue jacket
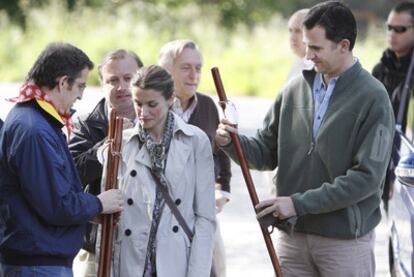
[43,208]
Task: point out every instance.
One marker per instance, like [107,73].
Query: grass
[252,62]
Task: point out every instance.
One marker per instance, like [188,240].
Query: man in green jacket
[330,133]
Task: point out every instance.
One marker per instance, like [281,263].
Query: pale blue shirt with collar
[321,96]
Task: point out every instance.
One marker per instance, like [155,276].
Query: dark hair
[337,20]
[154,77]
[118,54]
[405,7]
[56,60]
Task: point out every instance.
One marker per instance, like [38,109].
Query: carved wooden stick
[111,182]
[246,174]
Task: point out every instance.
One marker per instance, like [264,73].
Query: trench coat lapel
[143,157]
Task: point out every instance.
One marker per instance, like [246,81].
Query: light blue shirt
[321,96]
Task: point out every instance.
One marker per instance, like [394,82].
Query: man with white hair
[182,58]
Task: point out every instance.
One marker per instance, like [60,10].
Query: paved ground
[246,252]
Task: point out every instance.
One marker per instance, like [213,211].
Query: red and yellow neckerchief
[29,90]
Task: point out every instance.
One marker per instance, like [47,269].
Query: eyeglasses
[399,29]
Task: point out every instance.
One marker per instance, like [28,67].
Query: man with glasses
[43,210]
[393,66]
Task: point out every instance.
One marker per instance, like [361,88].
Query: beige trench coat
[189,171]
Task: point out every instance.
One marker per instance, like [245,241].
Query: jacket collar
[390,61]
[51,111]
[345,78]
[99,113]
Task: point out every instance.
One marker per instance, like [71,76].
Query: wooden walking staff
[111,182]
[246,173]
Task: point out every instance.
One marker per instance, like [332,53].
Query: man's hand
[223,132]
[127,123]
[220,202]
[111,201]
[281,207]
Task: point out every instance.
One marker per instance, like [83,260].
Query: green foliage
[230,12]
[253,60]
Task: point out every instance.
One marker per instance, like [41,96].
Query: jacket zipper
[312,146]
[357,219]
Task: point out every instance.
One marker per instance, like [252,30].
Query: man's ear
[62,82]
[344,45]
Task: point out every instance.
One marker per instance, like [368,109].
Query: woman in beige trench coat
[186,167]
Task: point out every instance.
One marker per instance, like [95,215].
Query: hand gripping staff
[111,182]
[246,173]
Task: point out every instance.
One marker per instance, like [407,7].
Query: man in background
[392,69]
[115,73]
[298,47]
[182,58]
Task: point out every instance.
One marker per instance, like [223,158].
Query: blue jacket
[42,206]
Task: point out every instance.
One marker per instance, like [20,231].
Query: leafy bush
[252,60]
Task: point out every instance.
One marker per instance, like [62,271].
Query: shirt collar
[319,83]
[185,115]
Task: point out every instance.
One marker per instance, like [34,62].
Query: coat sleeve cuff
[99,205]
[298,203]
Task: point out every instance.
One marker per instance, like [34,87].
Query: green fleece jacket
[336,178]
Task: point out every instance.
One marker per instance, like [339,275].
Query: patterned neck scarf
[158,151]
[29,90]
[158,154]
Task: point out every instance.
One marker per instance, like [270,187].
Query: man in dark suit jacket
[115,72]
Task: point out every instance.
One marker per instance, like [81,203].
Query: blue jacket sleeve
[49,181]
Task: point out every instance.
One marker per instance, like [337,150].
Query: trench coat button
[178,201]
[127,232]
[130,201]
[133,173]
[175,229]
